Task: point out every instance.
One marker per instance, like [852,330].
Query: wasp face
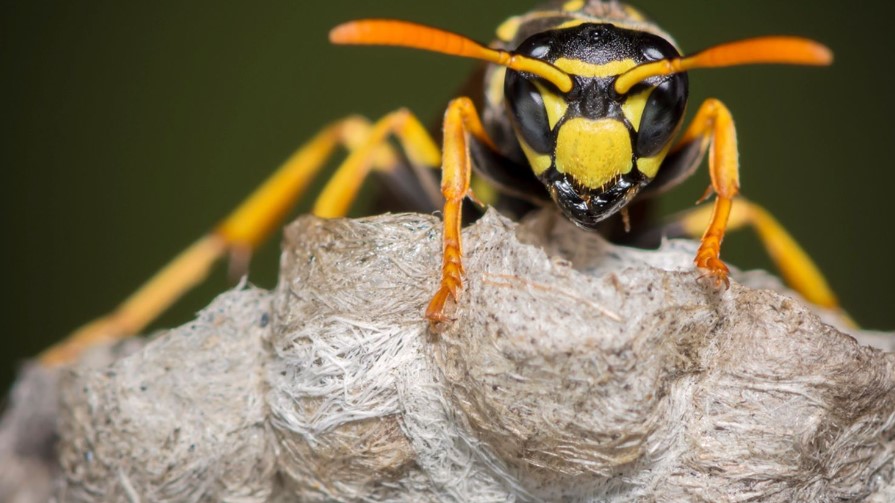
[593,148]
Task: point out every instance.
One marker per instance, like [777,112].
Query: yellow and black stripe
[581,102]
[593,148]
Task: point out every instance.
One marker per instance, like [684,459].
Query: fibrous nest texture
[573,370]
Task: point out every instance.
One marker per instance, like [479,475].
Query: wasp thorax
[593,148]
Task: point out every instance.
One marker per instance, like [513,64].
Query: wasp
[581,105]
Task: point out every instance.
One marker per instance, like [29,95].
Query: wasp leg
[460,120]
[713,124]
[263,211]
[794,264]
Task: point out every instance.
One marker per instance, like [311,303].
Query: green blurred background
[129,128]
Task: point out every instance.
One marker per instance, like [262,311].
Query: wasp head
[592,147]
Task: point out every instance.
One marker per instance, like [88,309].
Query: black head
[592,147]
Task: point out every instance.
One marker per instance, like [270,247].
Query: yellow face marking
[584,69]
[649,166]
[539,162]
[573,5]
[634,105]
[556,106]
[593,151]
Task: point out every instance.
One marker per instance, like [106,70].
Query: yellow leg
[185,271]
[341,190]
[714,124]
[460,120]
[796,267]
[253,220]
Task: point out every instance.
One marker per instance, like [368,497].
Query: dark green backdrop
[129,128]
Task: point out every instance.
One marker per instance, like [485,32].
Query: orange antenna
[405,34]
[778,50]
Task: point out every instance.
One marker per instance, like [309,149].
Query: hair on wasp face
[592,147]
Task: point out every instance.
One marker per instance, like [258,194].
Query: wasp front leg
[795,265]
[460,121]
[713,124]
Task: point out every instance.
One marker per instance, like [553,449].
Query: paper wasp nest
[585,372]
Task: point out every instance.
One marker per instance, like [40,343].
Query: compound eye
[528,111]
[661,115]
